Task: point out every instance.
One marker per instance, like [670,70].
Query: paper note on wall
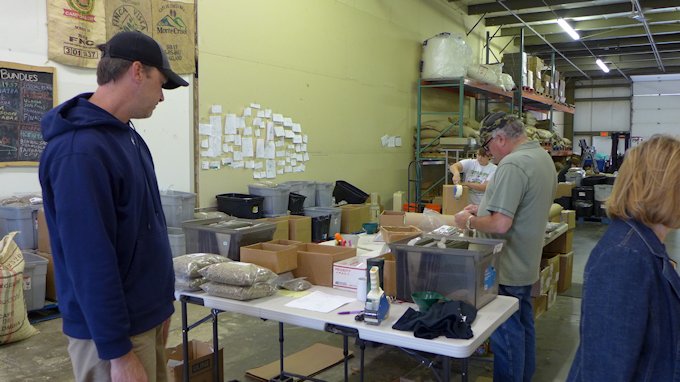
[270,167]
[204,128]
[297,128]
[247,147]
[216,109]
[231,124]
[259,148]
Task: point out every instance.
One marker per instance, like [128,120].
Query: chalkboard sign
[26,94]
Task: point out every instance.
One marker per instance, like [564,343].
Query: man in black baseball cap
[113,262]
[136,46]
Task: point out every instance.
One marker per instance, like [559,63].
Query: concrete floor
[251,342]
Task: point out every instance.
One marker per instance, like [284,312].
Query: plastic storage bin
[35,276]
[296,204]
[347,192]
[240,205]
[177,241]
[324,194]
[468,274]
[336,217]
[320,226]
[304,187]
[22,218]
[275,197]
[225,237]
[178,206]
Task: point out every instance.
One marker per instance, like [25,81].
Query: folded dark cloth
[452,319]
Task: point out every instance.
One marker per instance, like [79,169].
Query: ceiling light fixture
[602,65]
[567,28]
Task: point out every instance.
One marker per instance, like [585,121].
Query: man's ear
[137,69]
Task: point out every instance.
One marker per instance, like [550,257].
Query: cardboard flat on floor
[309,362]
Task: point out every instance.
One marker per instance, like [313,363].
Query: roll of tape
[457,191]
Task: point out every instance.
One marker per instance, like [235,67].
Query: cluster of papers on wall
[259,139]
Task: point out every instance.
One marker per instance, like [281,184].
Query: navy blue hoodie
[109,240]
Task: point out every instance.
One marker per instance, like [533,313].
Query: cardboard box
[390,275]
[315,262]
[278,258]
[282,223]
[43,233]
[200,362]
[539,304]
[391,234]
[552,294]
[392,218]
[353,217]
[452,205]
[563,189]
[561,244]
[299,227]
[50,283]
[543,284]
[297,244]
[566,268]
[346,273]
[552,260]
[569,217]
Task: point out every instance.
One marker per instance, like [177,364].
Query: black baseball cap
[136,46]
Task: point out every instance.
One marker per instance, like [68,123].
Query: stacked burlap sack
[544,132]
[430,131]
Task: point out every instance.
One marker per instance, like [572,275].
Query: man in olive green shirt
[515,208]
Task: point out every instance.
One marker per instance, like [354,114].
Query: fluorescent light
[567,28]
[602,65]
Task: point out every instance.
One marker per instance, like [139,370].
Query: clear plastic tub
[467,274]
[177,241]
[275,197]
[177,206]
[324,194]
[306,188]
[225,237]
[336,217]
[22,218]
[35,277]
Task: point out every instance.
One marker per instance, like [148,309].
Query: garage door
[655,105]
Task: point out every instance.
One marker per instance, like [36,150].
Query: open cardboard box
[315,262]
[278,258]
[201,362]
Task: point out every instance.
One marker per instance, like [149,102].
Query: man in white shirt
[477,173]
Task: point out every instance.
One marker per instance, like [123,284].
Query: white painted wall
[169,133]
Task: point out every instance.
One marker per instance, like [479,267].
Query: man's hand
[461,219]
[128,368]
[472,208]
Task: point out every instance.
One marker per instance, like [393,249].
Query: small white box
[346,273]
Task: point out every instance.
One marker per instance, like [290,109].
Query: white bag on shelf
[445,56]
[487,73]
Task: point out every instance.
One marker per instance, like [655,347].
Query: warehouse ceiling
[631,37]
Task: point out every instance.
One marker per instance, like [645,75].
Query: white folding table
[488,319]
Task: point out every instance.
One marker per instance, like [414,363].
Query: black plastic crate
[296,203]
[320,227]
[241,205]
[349,193]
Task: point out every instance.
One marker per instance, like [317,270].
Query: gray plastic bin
[324,194]
[225,237]
[468,274]
[177,239]
[22,218]
[178,207]
[335,213]
[35,277]
[306,188]
[275,197]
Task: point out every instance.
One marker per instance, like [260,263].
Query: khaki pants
[148,346]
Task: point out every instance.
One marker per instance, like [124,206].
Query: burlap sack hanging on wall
[174,28]
[74,29]
[128,15]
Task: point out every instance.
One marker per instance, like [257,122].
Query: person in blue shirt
[112,258]
[630,311]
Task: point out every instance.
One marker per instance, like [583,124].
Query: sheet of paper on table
[320,302]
